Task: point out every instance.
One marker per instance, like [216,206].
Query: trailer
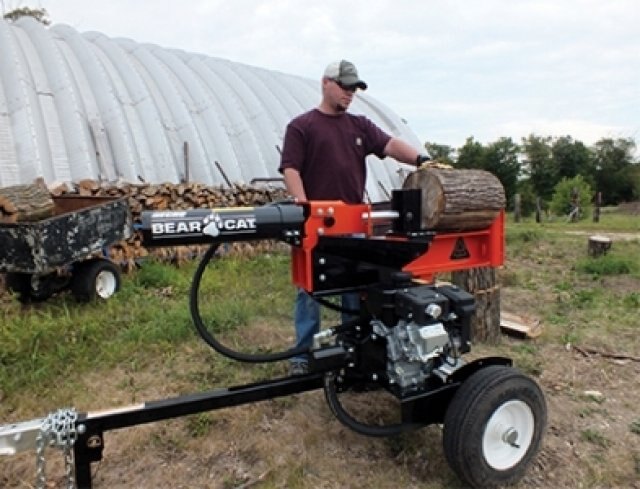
[66,250]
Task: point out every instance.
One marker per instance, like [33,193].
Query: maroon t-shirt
[329,152]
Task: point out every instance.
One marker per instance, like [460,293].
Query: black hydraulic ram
[281,221]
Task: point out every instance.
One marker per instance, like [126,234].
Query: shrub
[563,197]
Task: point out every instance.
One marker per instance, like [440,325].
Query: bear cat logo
[176,227]
[213,224]
[230,225]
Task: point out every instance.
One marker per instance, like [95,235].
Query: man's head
[339,83]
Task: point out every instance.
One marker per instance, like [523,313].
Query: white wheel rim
[105,284]
[508,435]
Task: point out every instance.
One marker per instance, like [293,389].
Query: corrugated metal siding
[75,106]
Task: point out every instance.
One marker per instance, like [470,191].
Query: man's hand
[423,161]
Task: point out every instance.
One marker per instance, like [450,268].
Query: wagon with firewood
[49,244]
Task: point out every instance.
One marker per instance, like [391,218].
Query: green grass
[578,298]
[148,317]
[610,221]
[611,264]
[595,437]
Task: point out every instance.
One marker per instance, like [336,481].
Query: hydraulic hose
[350,422]
[208,337]
[334,307]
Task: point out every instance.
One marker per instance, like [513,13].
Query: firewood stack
[169,196]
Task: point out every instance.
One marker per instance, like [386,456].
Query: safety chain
[58,430]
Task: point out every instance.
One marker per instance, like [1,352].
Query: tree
[440,152]
[470,155]
[501,159]
[40,14]
[614,172]
[634,178]
[539,165]
[528,197]
[571,158]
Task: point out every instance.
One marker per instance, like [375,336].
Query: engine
[431,327]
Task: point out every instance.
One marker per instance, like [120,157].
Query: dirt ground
[295,442]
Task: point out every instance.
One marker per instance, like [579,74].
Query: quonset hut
[77,106]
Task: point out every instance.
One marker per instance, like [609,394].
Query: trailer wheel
[493,426]
[19,284]
[95,279]
[22,284]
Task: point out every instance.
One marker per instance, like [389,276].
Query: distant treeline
[540,165]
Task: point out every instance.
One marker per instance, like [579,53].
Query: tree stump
[25,203]
[454,199]
[598,245]
[481,282]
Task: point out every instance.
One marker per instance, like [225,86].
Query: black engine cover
[411,304]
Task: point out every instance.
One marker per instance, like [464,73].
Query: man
[323,158]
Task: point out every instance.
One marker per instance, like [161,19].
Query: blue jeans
[307,317]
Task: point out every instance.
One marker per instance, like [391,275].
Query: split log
[25,203]
[457,199]
[520,326]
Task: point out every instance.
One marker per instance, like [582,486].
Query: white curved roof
[76,106]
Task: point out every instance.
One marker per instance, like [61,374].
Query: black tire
[95,279]
[21,285]
[493,427]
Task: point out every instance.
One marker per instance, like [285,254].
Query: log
[25,203]
[457,199]
[482,283]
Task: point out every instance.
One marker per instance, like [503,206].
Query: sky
[453,69]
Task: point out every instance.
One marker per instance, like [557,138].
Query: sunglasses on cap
[346,88]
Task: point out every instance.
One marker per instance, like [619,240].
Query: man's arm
[293,182]
[401,151]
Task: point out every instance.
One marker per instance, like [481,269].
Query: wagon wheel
[95,279]
[22,284]
[494,426]
[19,284]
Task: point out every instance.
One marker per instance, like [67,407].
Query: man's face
[338,96]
